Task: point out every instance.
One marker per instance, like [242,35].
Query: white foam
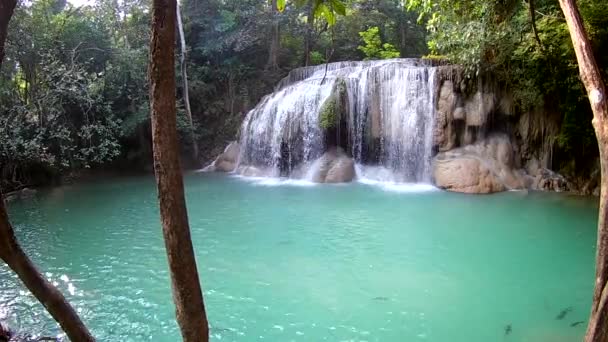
[271,181]
[385,179]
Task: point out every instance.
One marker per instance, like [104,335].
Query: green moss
[330,112]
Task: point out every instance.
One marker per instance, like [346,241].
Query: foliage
[374,48]
[497,38]
[74,91]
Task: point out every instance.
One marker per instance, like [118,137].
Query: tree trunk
[187,295]
[597,330]
[185,90]
[310,27]
[532,11]
[275,39]
[54,302]
[12,254]
[6,12]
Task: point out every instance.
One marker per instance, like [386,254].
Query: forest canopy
[73,88]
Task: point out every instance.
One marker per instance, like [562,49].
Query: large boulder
[226,161]
[334,166]
[484,167]
[465,174]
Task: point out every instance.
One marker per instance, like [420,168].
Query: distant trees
[373,47]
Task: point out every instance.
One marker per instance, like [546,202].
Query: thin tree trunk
[532,10]
[310,26]
[597,330]
[187,295]
[185,90]
[275,41]
[12,254]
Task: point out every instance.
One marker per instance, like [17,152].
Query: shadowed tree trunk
[185,90]
[310,27]
[6,12]
[187,295]
[12,254]
[275,41]
[597,330]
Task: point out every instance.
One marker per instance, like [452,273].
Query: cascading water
[385,123]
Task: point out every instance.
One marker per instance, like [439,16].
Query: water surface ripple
[313,263]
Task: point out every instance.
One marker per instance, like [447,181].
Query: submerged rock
[334,166]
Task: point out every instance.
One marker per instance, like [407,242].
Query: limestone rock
[484,167]
[444,135]
[478,108]
[459,113]
[547,180]
[226,161]
[334,166]
[342,170]
[465,174]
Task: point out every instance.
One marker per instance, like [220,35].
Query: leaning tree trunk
[597,330]
[54,302]
[12,254]
[187,295]
[185,90]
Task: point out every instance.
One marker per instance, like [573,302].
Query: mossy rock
[331,110]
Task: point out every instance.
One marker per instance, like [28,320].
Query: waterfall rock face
[378,112]
[398,120]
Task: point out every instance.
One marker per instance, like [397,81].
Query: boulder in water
[334,166]
[226,161]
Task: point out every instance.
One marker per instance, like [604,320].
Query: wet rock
[226,161]
[478,108]
[465,174]
[334,166]
[547,180]
[484,167]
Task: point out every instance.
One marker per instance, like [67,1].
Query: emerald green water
[314,263]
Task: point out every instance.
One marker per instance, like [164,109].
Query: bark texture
[186,90]
[12,254]
[597,330]
[187,295]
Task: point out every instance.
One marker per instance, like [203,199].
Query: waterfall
[385,120]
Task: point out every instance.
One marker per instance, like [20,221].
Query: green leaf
[280,5]
[338,7]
